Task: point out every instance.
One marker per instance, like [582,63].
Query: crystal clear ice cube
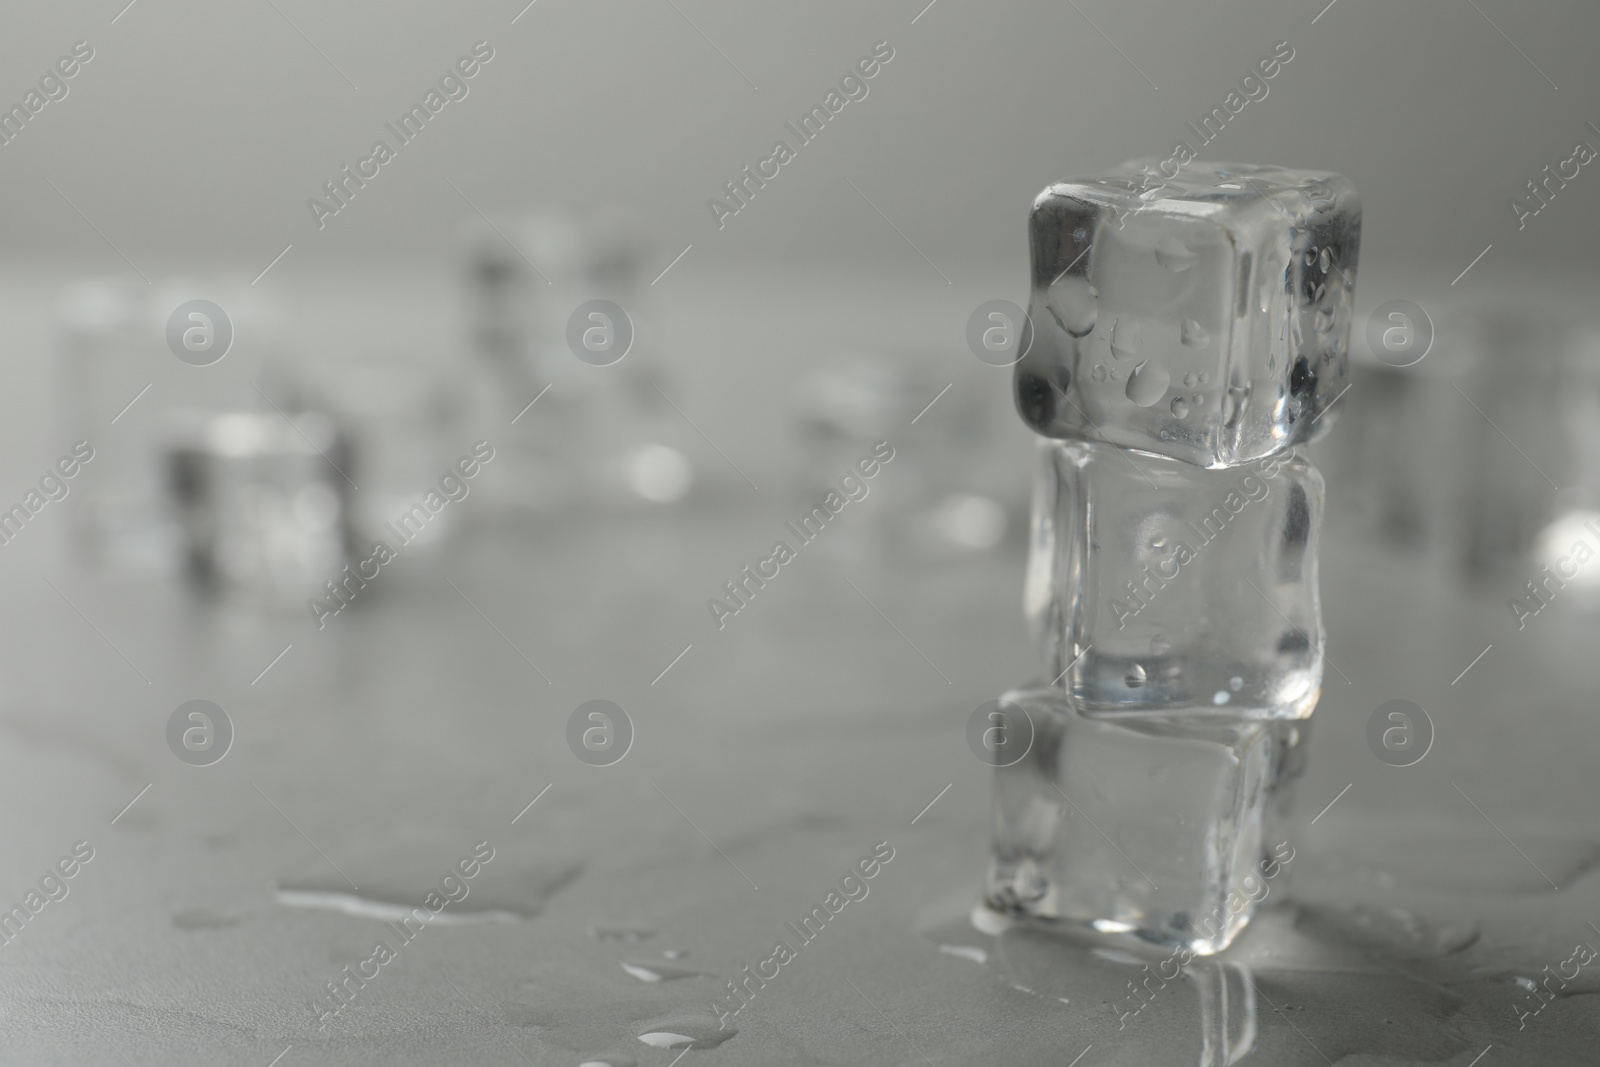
[1155,586]
[1166,830]
[1204,317]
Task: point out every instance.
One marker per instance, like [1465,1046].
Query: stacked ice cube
[1188,333]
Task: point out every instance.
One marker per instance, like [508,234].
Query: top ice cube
[1204,317]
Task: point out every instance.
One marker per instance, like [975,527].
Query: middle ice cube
[1156,586]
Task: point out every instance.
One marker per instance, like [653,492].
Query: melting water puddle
[686,1031]
[661,972]
[388,910]
[603,932]
[966,952]
[201,919]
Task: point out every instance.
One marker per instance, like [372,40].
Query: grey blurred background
[203,128]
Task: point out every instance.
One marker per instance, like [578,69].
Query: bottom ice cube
[1167,830]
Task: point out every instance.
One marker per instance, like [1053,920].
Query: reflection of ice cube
[1205,318]
[1156,586]
[1162,829]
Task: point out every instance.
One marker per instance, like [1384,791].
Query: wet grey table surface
[768,760]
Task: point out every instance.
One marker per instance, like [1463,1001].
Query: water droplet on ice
[1325,261]
[1193,334]
[1220,697]
[1180,407]
[1135,676]
[1125,338]
[1099,372]
[1173,254]
[1073,302]
[1189,379]
[610,1061]
[1147,384]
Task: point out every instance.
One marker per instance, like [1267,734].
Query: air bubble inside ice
[1173,254]
[1147,384]
[1125,338]
[1135,676]
[1073,303]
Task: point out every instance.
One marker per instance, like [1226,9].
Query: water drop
[1125,338]
[201,919]
[1180,407]
[1147,384]
[1135,676]
[1324,320]
[1204,377]
[1159,541]
[1236,683]
[1173,254]
[1272,363]
[674,953]
[1325,261]
[612,1060]
[687,1031]
[388,906]
[1193,334]
[1189,379]
[660,972]
[1220,697]
[1099,372]
[966,952]
[1073,302]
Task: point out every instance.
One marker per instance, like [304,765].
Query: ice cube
[1156,586]
[1204,317]
[1166,830]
